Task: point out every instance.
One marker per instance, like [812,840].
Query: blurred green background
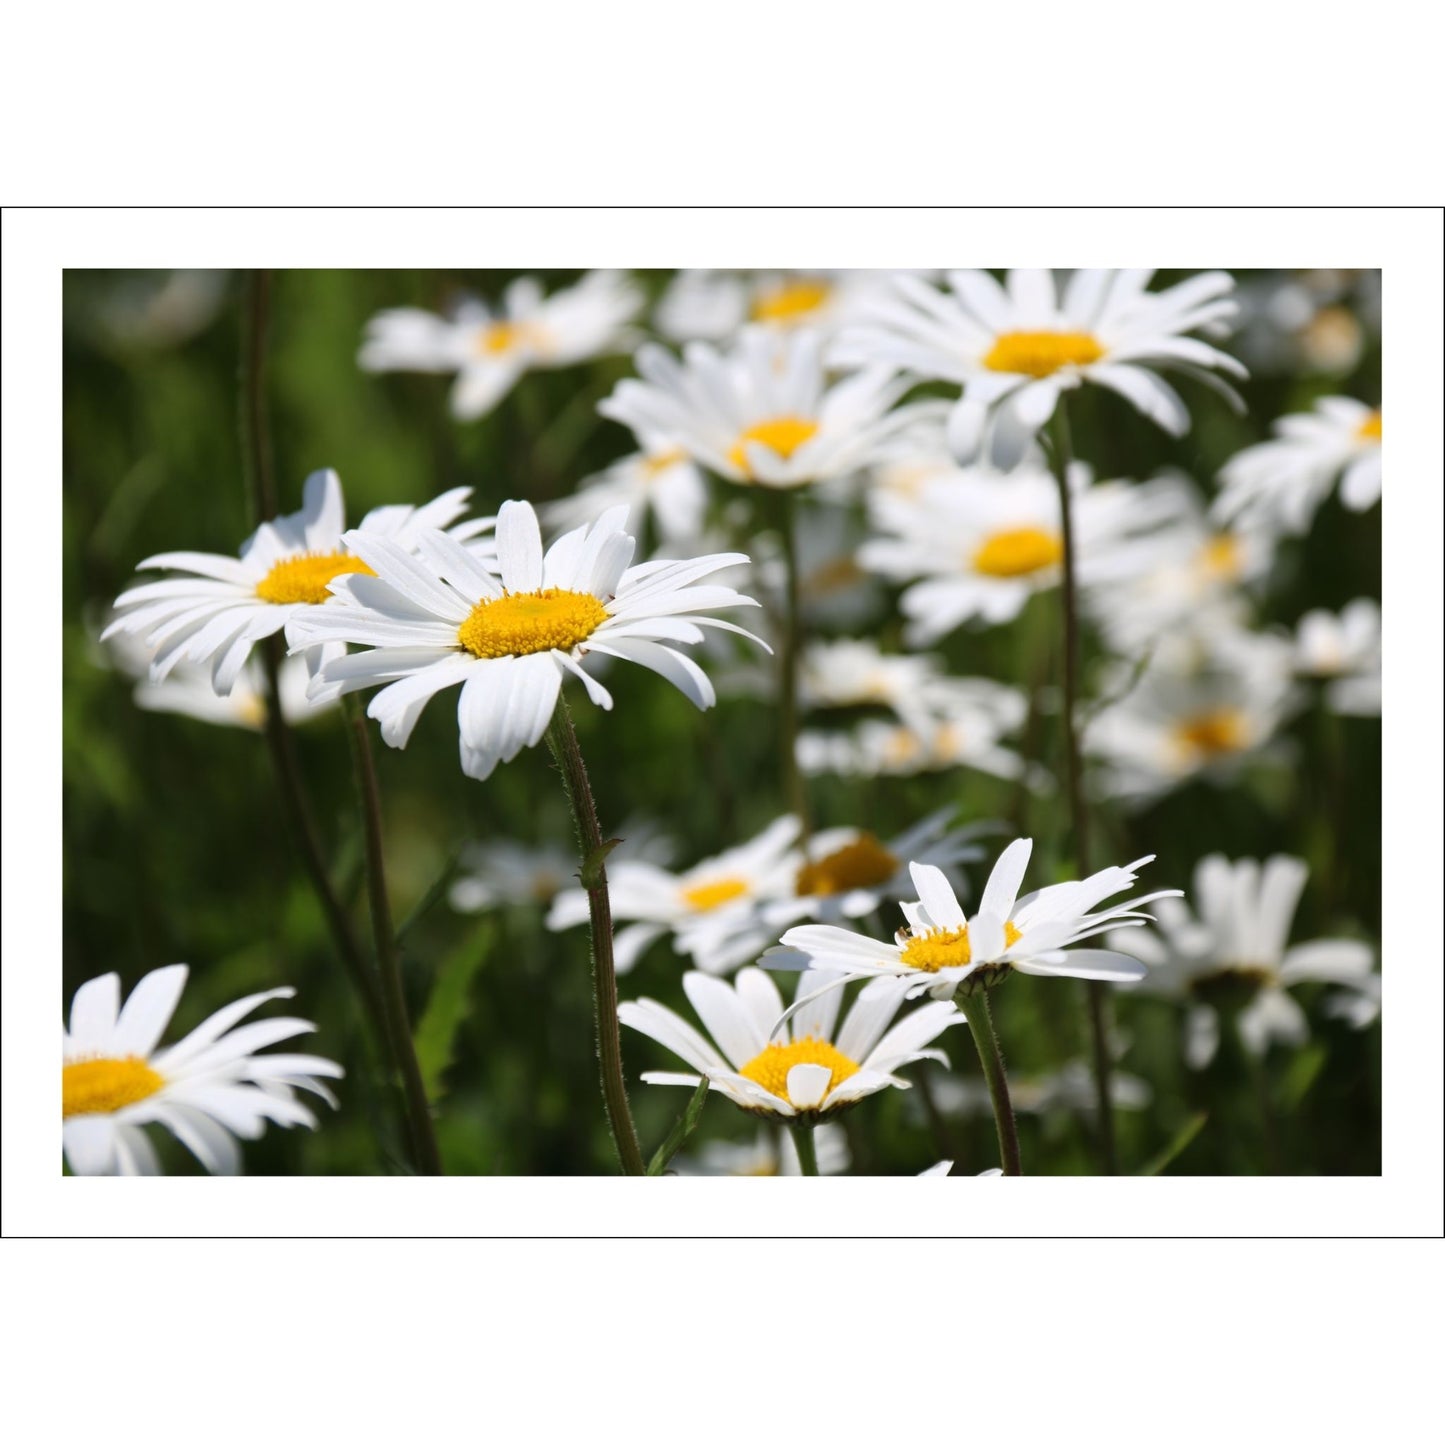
[176,847]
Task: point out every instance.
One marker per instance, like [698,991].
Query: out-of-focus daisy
[772,1153]
[941,951]
[1016,348]
[1235,955]
[1344,652]
[1315,320]
[187,689]
[1282,482]
[1070,1089]
[976,544]
[210,1089]
[660,477]
[707,907]
[1186,572]
[801,1073]
[442,618]
[763,412]
[491,349]
[502,873]
[223,606]
[715,305]
[945,1167]
[1201,706]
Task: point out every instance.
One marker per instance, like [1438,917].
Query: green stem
[425,1154]
[562,739]
[788,657]
[1095,992]
[807,1150]
[985,1040]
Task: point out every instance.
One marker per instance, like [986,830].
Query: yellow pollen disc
[782,434]
[1018,552]
[707,896]
[1220,556]
[1042,353]
[770,1068]
[101,1086]
[902,746]
[519,623]
[1213,733]
[304,578]
[653,467]
[791,302]
[947,948]
[1370,428]
[499,337]
[863,863]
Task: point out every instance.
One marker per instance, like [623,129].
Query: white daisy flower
[1016,348]
[762,412]
[1202,705]
[945,1167]
[660,478]
[706,907]
[1187,572]
[225,605]
[941,951]
[856,672]
[800,1073]
[208,1090]
[716,305]
[502,873]
[1282,482]
[1234,955]
[967,738]
[490,350]
[772,1153]
[1312,321]
[1343,651]
[442,619]
[977,544]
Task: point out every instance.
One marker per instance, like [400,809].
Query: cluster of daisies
[921,415]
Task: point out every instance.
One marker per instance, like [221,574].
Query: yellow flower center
[304,578]
[1018,552]
[1211,734]
[780,434]
[1042,353]
[654,466]
[1220,557]
[1370,428]
[519,623]
[902,746]
[707,896]
[947,948]
[500,337]
[791,302]
[863,863]
[101,1086]
[770,1068]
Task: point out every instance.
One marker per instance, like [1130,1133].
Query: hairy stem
[980,1023]
[1095,992]
[562,739]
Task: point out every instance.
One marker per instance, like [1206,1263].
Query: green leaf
[1176,1146]
[678,1135]
[447,1008]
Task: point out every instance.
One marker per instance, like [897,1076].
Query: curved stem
[788,654]
[807,1150]
[562,739]
[423,1136]
[980,1024]
[1095,992]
